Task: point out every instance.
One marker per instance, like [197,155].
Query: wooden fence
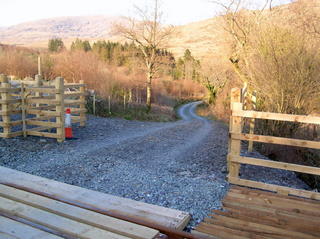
[37,107]
[236,136]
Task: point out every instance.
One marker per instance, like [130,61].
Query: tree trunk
[149,81]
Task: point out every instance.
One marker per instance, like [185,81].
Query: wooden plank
[74,102]
[61,224]
[11,134]
[15,134]
[248,191]
[43,134]
[10,101]
[274,164]
[43,112]
[9,112]
[267,209]
[277,116]
[78,214]
[277,140]
[274,219]
[60,108]
[9,89]
[73,85]
[201,234]
[279,202]
[260,228]
[11,123]
[223,232]
[235,126]
[164,216]
[74,94]
[42,123]
[19,230]
[48,90]
[42,101]
[274,188]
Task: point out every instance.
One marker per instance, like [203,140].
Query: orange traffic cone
[68,125]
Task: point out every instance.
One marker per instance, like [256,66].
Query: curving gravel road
[178,164]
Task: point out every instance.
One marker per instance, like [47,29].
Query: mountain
[36,33]
[206,39]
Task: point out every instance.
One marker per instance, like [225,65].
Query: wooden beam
[42,101]
[61,224]
[274,188]
[11,229]
[9,101]
[261,229]
[168,217]
[78,214]
[74,102]
[42,112]
[41,90]
[43,123]
[43,134]
[274,164]
[74,85]
[235,126]
[277,140]
[74,94]
[277,116]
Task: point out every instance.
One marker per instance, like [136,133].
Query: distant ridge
[89,27]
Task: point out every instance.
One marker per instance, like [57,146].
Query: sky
[176,12]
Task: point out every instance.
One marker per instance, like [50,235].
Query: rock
[224,169]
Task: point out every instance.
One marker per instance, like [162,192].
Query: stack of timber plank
[249,213]
[23,210]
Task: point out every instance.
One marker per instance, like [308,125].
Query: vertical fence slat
[5,106]
[82,105]
[235,127]
[23,111]
[59,85]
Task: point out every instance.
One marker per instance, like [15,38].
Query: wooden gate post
[82,105]
[235,127]
[5,96]
[38,83]
[59,85]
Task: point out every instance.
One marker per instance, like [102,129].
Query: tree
[55,45]
[276,59]
[81,45]
[149,36]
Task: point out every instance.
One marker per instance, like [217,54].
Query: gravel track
[178,165]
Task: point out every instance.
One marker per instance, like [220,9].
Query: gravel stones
[180,165]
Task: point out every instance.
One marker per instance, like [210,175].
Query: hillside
[206,39]
[38,32]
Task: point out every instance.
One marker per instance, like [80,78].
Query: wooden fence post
[5,106]
[109,104]
[82,105]
[59,85]
[38,83]
[252,121]
[23,110]
[235,127]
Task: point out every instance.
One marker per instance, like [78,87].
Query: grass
[138,112]
[132,111]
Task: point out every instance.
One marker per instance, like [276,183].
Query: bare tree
[240,23]
[149,34]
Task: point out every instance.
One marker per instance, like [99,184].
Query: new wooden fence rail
[40,106]
[236,136]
